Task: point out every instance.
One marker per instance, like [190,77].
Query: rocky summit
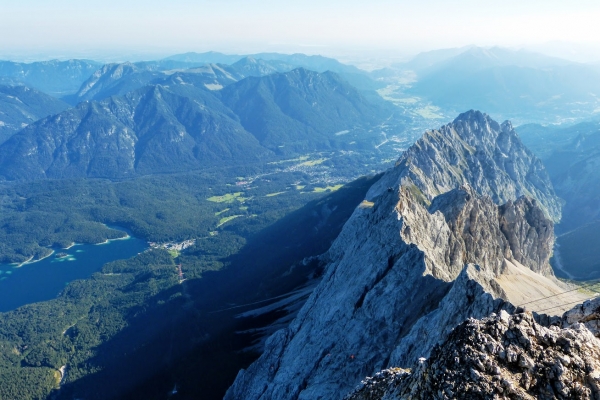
[500,357]
[460,228]
[475,149]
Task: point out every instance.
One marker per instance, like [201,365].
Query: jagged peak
[507,126]
[476,150]
[472,115]
[474,123]
[502,356]
[246,60]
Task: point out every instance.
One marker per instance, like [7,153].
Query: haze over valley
[285,201]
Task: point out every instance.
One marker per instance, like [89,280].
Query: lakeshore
[107,241]
[43,279]
[30,260]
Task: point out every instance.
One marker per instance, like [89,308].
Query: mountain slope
[151,130]
[504,81]
[575,174]
[505,355]
[411,264]
[300,110]
[112,80]
[57,78]
[20,106]
[477,151]
[572,157]
[181,125]
[120,79]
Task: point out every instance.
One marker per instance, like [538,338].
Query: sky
[343,28]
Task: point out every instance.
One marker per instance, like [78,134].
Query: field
[225,198]
[326,189]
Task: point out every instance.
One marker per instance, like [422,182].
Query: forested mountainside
[57,78]
[312,108]
[21,106]
[171,128]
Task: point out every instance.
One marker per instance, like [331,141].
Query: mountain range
[423,252]
[21,106]
[393,277]
[57,78]
[508,82]
[178,127]
[312,62]
[519,84]
[118,79]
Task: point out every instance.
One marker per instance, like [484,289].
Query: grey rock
[529,233]
[539,374]
[587,313]
[476,150]
[406,271]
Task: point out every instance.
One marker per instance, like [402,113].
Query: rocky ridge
[587,313]
[500,357]
[476,150]
[421,254]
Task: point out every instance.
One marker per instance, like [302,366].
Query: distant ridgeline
[519,85]
[21,105]
[57,78]
[72,79]
[180,125]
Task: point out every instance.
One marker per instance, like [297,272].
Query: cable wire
[561,293]
[566,304]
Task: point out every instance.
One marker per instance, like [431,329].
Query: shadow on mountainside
[186,337]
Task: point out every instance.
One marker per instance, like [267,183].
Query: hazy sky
[69,27]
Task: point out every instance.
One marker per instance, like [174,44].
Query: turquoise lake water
[45,279]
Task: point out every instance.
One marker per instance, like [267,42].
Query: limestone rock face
[587,313]
[476,150]
[419,257]
[501,357]
[530,234]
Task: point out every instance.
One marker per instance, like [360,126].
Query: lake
[45,279]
